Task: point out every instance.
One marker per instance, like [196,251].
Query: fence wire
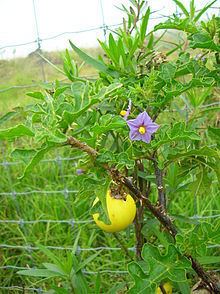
[79,249]
[65,192]
[22,289]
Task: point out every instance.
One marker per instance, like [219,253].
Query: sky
[54,17]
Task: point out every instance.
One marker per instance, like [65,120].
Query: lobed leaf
[169,266]
[16,132]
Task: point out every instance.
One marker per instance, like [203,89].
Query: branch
[213,284]
[164,219]
[160,187]
[82,146]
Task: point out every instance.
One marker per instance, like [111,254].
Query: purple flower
[142,127]
[79,171]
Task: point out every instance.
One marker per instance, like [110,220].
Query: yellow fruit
[167,287]
[121,213]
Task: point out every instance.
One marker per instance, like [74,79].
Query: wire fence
[59,160]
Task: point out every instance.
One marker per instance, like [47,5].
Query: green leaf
[87,261]
[169,266]
[116,123]
[50,255]
[106,156]
[15,132]
[192,9]
[118,288]
[214,133]
[122,53]
[177,133]
[39,155]
[168,71]
[143,28]
[75,245]
[78,282]
[106,91]
[209,259]
[184,287]
[182,7]
[98,284]
[70,67]
[152,228]
[56,137]
[60,90]
[150,41]
[196,240]
[101,192]
[57,290]
[7,116]
[204,151]
[203,10]
[204,41]
[23,154]
[44,273]
[113,49]
[37,95]
[93,62]
[54,268]
[69,117]
[177,24]
[123,160]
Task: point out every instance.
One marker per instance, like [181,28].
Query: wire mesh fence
[105,28]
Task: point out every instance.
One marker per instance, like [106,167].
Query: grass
[57,176]
[49,177]
[32,70]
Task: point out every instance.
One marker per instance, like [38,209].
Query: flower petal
[146,137]
[152,128]
[135,135]
[132,123]
[144,118]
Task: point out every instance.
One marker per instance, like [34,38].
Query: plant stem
[164,219]
[213,284]
[160,186]
[162,289]
[138,222]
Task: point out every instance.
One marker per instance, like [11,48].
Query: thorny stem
[164,219]
[138,222]
[160,186]
[82,146]
[213,285]
[162,289]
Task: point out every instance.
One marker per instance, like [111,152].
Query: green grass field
[55,177]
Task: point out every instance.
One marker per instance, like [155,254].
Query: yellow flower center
[142,130]
[123,112]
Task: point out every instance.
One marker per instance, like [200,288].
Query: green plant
[180,156]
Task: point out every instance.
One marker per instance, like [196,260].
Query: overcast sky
[17,23]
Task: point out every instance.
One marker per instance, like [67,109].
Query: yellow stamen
[123,112]
[142,130]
